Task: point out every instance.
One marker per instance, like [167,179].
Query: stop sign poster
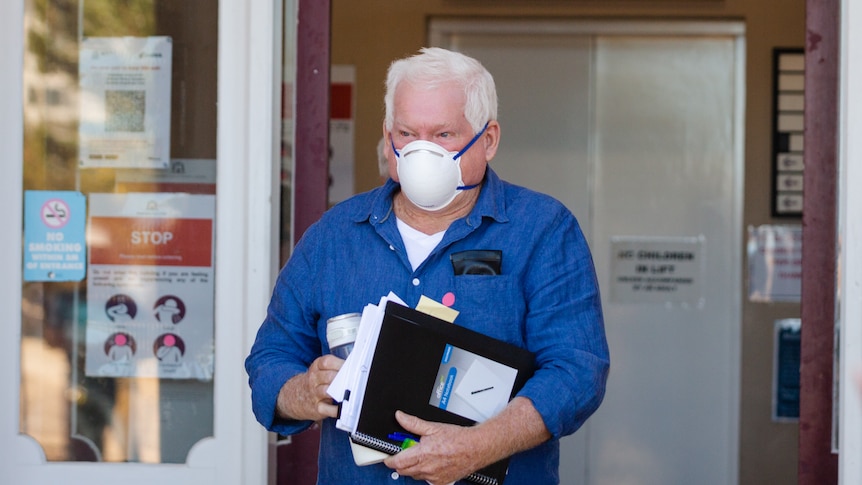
[150,288]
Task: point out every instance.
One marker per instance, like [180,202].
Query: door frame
[849,262]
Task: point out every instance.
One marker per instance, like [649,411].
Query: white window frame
[849,264]
[248,151]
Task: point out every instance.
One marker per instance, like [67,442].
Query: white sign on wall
[774,263]
[657,270]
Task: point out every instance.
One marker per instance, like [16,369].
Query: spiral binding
[482,479]
[387,447]
[376,443]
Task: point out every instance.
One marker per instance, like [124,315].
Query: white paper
[125,102]
[353,375]
[363,455]
[349,377]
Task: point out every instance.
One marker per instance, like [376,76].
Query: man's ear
[387,144]
[390,157]
[491,139]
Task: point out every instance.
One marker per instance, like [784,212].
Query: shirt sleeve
[286,343]
[565,329]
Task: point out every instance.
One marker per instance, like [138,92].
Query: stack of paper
[348,387]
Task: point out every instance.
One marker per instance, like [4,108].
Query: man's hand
[446,453]
[304,397]
[443,455]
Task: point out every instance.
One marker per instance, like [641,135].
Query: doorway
[638,128]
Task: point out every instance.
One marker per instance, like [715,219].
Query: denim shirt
[545,299]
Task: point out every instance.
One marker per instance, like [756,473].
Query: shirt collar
[491,202]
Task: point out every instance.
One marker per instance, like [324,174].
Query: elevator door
[637,128]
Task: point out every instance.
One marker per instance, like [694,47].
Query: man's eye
[404,134]
[445,134]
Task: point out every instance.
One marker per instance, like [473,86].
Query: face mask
[430,176]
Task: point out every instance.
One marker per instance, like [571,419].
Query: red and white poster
[150,288]
[341,131]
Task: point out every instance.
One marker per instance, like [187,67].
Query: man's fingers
[326,409]
[328,362]
[413,424]
[322,371]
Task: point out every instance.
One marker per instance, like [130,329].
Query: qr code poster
[125,89]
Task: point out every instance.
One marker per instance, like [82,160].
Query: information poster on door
[150,287]
[125,102]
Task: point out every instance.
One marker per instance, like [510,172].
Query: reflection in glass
[76,413]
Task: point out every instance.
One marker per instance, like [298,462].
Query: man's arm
[447,452]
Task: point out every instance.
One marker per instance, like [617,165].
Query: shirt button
[394,475]
[391,247]
[415,281]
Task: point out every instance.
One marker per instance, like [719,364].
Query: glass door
[117,335]
[143,159]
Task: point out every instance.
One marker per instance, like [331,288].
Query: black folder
[438,371]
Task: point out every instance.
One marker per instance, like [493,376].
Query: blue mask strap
[463,150]
[392,142]
[474,140]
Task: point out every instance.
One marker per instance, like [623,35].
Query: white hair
[434,66]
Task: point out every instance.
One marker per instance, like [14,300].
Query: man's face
[437,115]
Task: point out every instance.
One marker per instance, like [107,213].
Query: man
[441,131]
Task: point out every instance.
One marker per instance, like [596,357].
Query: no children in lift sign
[657,270]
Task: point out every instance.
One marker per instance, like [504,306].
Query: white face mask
[430,175]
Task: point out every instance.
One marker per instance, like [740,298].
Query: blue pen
[406,440]
[399,436]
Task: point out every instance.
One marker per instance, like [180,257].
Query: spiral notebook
[440,372]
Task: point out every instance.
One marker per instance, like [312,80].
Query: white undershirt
[418,244]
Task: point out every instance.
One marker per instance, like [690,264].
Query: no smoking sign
[55,247]
[55,213]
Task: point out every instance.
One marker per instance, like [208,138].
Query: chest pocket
[494,305]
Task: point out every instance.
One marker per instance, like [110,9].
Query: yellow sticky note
[436,309]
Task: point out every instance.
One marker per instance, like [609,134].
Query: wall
[371,33]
